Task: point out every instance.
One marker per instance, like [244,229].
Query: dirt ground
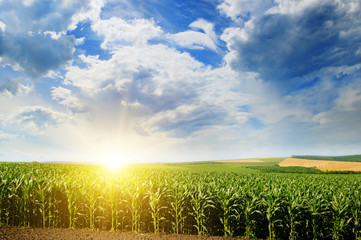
[12,233]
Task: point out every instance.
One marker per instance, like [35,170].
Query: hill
[345,158]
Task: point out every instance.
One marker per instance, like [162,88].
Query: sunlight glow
[114,162]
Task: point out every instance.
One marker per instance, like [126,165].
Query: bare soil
[16,233]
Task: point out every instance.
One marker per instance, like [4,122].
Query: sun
[114,162]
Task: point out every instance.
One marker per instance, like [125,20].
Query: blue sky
[156,81]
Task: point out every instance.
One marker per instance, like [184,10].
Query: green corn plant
[4,193]
[177,196]
[317,206]
[120,211]
[27,195]
[111,196]
[227,200]
[355,209]
[70,187]
[340,205]
[57,200]
[200,202]
[273,205]
[13,215]
[134,203]
[41,194]
[249,209]
[89,190]
[155,195]
[282,205]
[52,209]
[295,207]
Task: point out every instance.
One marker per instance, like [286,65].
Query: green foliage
[275,169]
[253,205]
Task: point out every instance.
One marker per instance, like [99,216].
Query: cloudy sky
[180,80]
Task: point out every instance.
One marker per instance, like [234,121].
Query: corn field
[273,206]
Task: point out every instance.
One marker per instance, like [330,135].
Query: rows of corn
[273,206]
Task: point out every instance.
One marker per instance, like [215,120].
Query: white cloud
[151,83]
[287,47]
[207,27]
[54,35]
[292,6]
[2,26]
[243,10]
[234,34]
[194,39]
[32,120]
[349,98]
[148,95]
[45,47]
[7,136]
[79,41]
[11,87]
[152,67]
[67,98]
[84,10]
[117,31]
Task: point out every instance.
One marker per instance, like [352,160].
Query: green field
[189,198]
[268,165]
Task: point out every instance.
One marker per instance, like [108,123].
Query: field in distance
[254,165]
[294,164]
[323,165]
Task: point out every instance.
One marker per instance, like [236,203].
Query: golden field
[322,165]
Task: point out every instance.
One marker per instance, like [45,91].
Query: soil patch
[11,233]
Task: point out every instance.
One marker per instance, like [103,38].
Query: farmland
[181,201]
[324,165]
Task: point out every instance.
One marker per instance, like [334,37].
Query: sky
[163,81]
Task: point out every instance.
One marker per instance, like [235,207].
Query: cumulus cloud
[148,68]
[207,27]
[33,34]
[68,99]
[282,45]
[151,83]
[117,31]
[185,120]
[305,54]
[244,10]
[32,120]
[14,87]
[194,39]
